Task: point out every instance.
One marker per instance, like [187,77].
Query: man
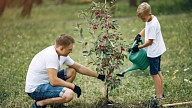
[46,83]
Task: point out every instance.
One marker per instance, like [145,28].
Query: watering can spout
[134,67]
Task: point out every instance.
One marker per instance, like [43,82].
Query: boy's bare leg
[158,85]
[161,77]
[67,96]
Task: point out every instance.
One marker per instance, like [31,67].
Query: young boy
[154,45]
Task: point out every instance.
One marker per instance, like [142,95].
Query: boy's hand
[138,38]
[129,49]
[135,48]
[77,90]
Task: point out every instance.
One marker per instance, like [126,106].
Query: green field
[22,38]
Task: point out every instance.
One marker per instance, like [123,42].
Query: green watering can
[139,60]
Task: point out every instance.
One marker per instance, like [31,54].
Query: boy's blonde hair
[143,9]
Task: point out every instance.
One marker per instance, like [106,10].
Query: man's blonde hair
[143,9]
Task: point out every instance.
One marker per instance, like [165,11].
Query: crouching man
[46,83]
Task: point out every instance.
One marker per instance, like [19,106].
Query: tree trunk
[27,8]
[60,2]
[144,0]
[2,6]
[21,3]
[9,3]
[38,2]
[133,3]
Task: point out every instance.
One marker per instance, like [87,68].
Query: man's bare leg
[71,74]
[68,94]
[67,97]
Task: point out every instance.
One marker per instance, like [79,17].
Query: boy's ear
[150,14]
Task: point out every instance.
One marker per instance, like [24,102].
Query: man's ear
[61,48]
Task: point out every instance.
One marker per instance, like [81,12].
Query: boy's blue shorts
[45,91]
[154,64]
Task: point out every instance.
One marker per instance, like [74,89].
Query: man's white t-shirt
[153,31]
[37,73]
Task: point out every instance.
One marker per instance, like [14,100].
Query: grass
[22,38]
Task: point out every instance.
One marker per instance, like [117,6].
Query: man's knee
[68,95]
[71,72]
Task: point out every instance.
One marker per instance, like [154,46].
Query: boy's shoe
[155,97]
[34,105]
[163,96]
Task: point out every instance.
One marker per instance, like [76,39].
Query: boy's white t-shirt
[37,73]
[153,31]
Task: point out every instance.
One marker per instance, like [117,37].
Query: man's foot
[34,105]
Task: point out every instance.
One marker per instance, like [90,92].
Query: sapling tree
[107,51]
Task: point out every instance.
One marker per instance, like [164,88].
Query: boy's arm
[149,42]
[142,32]
[138,36]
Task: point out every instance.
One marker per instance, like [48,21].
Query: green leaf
[85,53]
[81,30]
[79,41]
[90,62]
[86,43]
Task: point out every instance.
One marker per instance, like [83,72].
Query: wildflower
[175,72]
[173,78]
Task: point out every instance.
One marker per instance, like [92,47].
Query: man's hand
[101,77]
[77,90]
[138,38]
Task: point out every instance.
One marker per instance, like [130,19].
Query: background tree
[133,3]
[38,2]
[9,3]
[2,6]
[27,6]
[60,1]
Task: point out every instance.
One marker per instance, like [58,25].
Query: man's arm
[84,70]
[55,81]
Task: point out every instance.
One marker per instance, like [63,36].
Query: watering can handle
[135,42]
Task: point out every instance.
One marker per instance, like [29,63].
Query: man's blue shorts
[45,91]
[154,64]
